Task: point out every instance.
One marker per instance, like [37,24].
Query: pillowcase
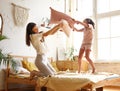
[19,70]
[29,65]
[57,16]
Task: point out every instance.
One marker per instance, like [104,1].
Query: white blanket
[71,81]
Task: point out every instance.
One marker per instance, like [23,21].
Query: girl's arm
[84,24]
[63,25]
[46,33]
[52,31]
[80,30]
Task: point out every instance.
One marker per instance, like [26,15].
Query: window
[108,36]
[81,13]
[103,28]
[103,38]
[106,14]
[78,36]
[104,6]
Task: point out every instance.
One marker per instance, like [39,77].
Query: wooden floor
[111,89]
[104,89]
[22,90]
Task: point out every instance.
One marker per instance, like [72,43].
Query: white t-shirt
[39,46]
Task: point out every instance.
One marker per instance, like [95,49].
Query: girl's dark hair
[89,21]
[29,31]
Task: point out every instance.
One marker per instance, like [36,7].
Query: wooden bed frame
[17,80]
[113,82]
[32,82]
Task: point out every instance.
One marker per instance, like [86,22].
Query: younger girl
[87,42]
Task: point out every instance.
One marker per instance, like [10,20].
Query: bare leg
[80,58]
[34,73]
[87,54]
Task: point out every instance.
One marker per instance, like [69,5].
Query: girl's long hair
[29,31]
[89,21]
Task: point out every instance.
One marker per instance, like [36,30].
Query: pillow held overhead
[57,16]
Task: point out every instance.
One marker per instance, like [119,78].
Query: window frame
[98,16]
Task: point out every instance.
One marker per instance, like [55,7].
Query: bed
[21,78]
[113,82]
[62,81]
[70,81]
[36,82]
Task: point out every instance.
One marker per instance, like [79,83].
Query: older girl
[37,39]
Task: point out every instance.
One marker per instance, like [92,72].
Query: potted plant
[2,37]
[6,59]
[70,53]
[70,62]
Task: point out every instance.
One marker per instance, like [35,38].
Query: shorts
[86,46]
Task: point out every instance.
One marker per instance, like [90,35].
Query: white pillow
[19,70]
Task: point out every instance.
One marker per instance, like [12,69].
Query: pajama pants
[44,65]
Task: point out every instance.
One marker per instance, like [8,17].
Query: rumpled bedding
[71,81]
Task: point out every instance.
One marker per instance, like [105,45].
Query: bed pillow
[29,65]
[57,16]
[19,70]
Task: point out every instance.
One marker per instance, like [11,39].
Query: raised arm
[82,23]
[79,30]
[63,24]
[52,31]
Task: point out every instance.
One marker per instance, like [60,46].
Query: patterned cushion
[29,65]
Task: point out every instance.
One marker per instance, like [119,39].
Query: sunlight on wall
[16,34]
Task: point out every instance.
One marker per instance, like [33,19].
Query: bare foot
[32,74]
[93,71]
[78,71]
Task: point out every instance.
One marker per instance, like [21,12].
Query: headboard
[23,57]
[19,58]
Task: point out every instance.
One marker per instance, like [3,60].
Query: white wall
[16,42]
